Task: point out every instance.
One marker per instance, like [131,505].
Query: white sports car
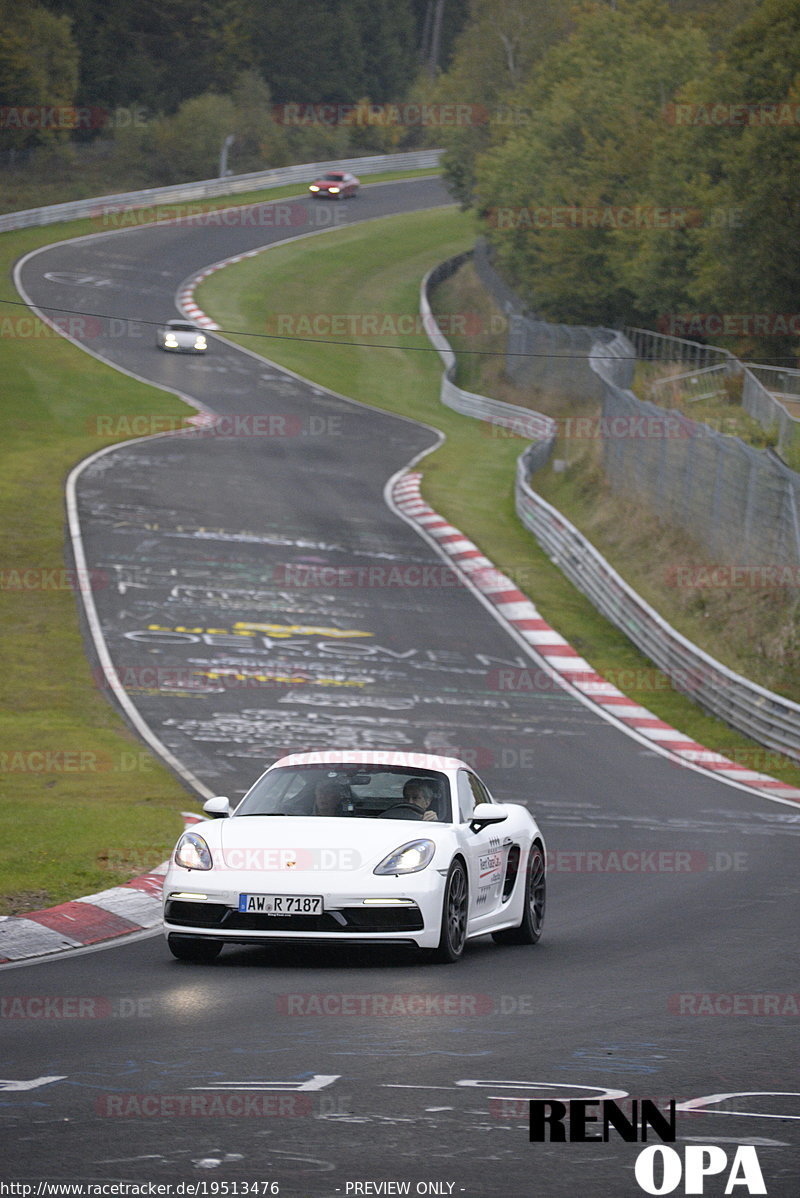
[322,849]
[183,337]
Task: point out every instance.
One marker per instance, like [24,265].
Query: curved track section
[266,598]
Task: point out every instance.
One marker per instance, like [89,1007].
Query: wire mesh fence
[768,718]
[741,504]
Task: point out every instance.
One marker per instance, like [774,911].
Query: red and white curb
[185,297]
[558,655]
[133,907]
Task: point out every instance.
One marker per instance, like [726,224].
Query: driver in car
[419,793]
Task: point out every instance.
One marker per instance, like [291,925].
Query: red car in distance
[335,185]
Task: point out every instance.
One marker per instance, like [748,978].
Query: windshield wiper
[246,813]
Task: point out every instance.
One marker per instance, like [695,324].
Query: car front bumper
[394,911]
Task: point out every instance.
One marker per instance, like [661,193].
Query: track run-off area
[315,1070]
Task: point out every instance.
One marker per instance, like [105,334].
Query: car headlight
[410,858]
[200,342]
[192,852]
[313,187]
[171,340]
[333,190]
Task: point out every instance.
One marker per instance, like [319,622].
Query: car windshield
[350,791]
[333,178]
[178,326]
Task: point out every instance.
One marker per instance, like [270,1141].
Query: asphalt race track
[317,1069]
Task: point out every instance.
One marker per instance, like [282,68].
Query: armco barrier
[211,188]
[522,420]
[758,713]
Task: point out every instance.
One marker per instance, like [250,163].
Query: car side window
[479,791]
[466,796]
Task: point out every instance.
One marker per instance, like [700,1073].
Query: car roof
[395,757]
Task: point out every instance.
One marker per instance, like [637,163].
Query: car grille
[348,919]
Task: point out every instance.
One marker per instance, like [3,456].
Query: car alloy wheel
[529,930]
[454,915]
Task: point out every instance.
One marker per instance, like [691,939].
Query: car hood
[315,843]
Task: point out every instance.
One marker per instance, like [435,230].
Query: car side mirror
[487,813]
[218,808]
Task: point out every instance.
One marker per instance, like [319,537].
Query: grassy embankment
[376,269]
[753,630]
[99,809]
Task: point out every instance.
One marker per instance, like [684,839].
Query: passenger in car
[330,796]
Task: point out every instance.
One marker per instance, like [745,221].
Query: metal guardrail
[691,386]
[206,189]
[772,397]
[761,714]
[767,393]
[662,347]
[505,415]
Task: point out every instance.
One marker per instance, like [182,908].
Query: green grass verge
[83,805]
[376,269]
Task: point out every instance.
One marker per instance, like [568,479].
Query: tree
[572,180]
[38,66]
[495,52]
[753,266]
[187,145]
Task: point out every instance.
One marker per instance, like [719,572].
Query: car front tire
[529,930]
[189,948]
[455,908]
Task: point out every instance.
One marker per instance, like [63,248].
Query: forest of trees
[635,158]
[672,128]
[162,68]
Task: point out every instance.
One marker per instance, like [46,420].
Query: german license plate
[280,904]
